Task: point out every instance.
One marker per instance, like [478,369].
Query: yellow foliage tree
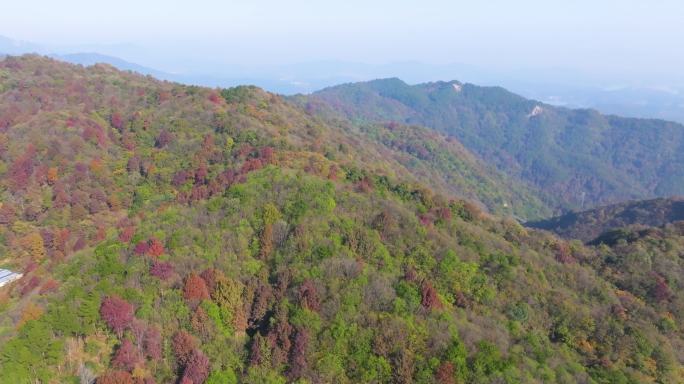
[228,294]
[33,243]
[31,312]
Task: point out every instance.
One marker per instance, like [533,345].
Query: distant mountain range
[17,47]
[570,171]
[92,58]
[635,98]
[576,158]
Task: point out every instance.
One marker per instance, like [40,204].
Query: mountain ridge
[171,233]
[578,156]
[588,225]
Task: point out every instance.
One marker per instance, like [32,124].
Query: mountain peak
[562,155]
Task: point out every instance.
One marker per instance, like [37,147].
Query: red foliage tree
[266,241]
[197,368]
[298,364]
[279,337]
[138,329]
[153,343]
[410,274]
[126,357]
[101,234]
[201,174]
[199,192]
[126,234]
[50,286]
[5,122]
[661,291]
[201,324]
[141,248]
[117,313]
[425,220]
[128,141]
[444,213]
[563,253]
[20,170]
[133,164]
[183,345]
[7,214]
[183,197]
[210,277]
[48,240]
[164,96]
[40,174]
[332,172]
[461,300]
[255,355]
[115,377]
[267,155]
[60,197]
[195,288]
[163,139]
[208,143]
[80,173]
[364,185]
[116,120]
[94,133]
[97,201]
[308,296]
[429,297]
[30,267]
[79,244]
[180,177]
[33,282]
[62,237]
[71,122]
[263,297]
[146,167]
[161,270]
[214,98]
[244,150]
[156,248]
[282,282]
[251,165]
[214,187]
[445,373]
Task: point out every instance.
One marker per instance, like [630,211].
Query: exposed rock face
[536,111]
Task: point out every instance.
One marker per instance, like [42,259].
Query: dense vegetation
[180,234]
[588,225]
[577,158]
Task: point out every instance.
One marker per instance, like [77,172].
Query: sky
[627,38]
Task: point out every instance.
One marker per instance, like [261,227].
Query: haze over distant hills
[557,86]
[92,58]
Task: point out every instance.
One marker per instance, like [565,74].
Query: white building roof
[7,276]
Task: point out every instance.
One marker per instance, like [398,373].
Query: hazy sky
[601,36]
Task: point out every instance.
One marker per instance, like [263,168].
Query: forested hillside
[579,157]
[588,225]
[177,234]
